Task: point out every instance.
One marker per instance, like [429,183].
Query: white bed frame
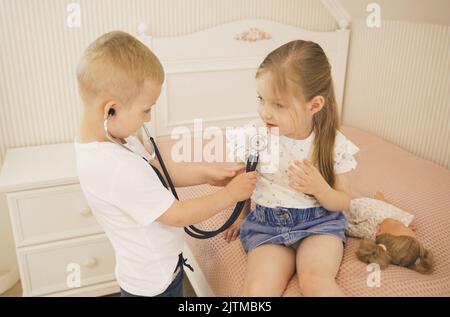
[210,74]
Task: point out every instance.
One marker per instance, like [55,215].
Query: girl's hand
[222,175]
[305,177]
[232,233]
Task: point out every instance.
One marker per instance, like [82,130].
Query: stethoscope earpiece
[112,112]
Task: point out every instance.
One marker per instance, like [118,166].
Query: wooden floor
[16,290]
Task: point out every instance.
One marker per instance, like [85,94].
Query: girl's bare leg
[269,269]
[318,260]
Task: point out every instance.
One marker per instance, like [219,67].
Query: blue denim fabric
[288,226]
[175,288]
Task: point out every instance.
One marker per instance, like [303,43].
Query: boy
[119,80]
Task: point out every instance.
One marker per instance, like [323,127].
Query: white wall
[417,11]
[398,83]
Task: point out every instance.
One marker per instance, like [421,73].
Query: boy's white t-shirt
[272,188]
[126,197]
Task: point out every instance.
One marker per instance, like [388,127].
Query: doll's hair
[399,250]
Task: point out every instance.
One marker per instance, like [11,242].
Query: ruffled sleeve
[344,151]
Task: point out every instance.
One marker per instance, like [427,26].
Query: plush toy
[388,236]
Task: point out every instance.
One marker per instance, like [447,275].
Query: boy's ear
[316,104]
[109,109]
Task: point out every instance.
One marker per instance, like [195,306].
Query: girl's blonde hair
[302,68]
[399,250]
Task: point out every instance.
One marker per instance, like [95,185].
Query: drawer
[50,214]
[56,267]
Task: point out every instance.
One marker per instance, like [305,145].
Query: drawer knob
[91,262]
[86,211]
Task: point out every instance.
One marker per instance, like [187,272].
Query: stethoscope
[251,164]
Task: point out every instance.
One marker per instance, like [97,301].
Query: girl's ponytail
[326,123]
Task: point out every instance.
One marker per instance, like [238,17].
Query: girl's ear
[316,104]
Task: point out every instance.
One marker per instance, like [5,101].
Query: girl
[297,223]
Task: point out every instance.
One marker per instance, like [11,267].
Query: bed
[211,74]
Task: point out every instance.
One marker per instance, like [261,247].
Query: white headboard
[211,74]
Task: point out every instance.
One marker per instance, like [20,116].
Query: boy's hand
[305,177]
[242,186]
[233,232]
[222,175]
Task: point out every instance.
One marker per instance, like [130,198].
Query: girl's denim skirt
[288,226]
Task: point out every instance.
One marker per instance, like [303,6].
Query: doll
[388,236]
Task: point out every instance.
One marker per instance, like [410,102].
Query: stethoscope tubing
[193,231]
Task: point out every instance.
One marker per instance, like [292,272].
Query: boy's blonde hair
[115,66]
[302,69]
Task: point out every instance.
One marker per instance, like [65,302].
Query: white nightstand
[55,233]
